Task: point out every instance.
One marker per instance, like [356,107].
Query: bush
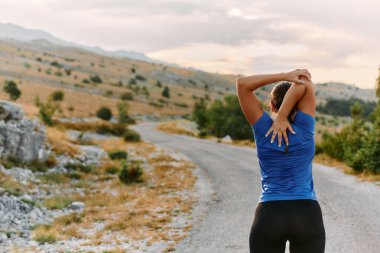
[56,64]
[130,172]
[126,96]
[140,77]
[118,154]
[47,109]
[131,135]
[123,116]
[11,88]
[132,81]
[114,129]
[112,170]
[222,118]
[96,79]
[104,113]
[80,167]
[166,92]
[57,95]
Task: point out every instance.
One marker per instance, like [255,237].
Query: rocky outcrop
[20,138]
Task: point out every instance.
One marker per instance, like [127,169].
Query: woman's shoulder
[305,120]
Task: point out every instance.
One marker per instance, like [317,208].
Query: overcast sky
[337,40]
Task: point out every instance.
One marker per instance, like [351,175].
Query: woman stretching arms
[288,209]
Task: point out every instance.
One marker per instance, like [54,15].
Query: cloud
[249,36]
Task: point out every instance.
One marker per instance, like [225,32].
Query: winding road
[351,209]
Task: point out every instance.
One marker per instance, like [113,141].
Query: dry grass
[139,210]
[173,127]
[60,142]
[10,185]
[363,176]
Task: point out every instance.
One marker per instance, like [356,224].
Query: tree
[166,92]
[158,83]
[48,109]
[123,116]
[12,89]
[222,118]
[57,95]
[199,113]
[378,85]
[96,79]
[104,113]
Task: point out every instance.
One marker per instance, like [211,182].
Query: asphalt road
[351,209]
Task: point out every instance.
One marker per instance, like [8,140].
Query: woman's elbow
[240,82]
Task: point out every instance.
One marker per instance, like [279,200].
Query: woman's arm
[249,103]
[301,96]
[246,85]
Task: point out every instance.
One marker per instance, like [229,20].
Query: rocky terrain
[63,209]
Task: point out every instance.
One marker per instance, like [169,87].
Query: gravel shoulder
[351,209]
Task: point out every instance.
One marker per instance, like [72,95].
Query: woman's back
[286,175]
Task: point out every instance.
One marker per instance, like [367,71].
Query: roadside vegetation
[357,144]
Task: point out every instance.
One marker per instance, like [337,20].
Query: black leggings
[297,221]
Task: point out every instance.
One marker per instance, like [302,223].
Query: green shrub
[123,116]
[118,154]
[104,113]
[56,64]
[140,77]
[80,167]
[132,81]
[112,170]
[57,95]
[11,88]
[130,172]
[114,129]
[96,79]
[126,96]
[221,118]
[47,109]
[166,92]
[131,135]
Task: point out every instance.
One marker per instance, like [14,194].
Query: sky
[336,40]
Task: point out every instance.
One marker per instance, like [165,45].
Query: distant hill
[15,32]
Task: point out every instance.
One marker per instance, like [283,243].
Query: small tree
[12,89]
[47,109]
[166,92]
[57,95]
[158,83]
[130,172]
[123,116]
[96,79]
[378,85]
[104,113]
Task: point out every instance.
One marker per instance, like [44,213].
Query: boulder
[20,137]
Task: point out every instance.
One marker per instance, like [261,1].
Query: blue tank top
[286,176]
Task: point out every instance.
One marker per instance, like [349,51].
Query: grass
[45,234]
[137,210]
[361,175]
[10,185]
[173,127]
[58,202]
[57,178]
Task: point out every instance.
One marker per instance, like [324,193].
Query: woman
[288,209]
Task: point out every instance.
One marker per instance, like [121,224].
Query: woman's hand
[279,127]
[295,76]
